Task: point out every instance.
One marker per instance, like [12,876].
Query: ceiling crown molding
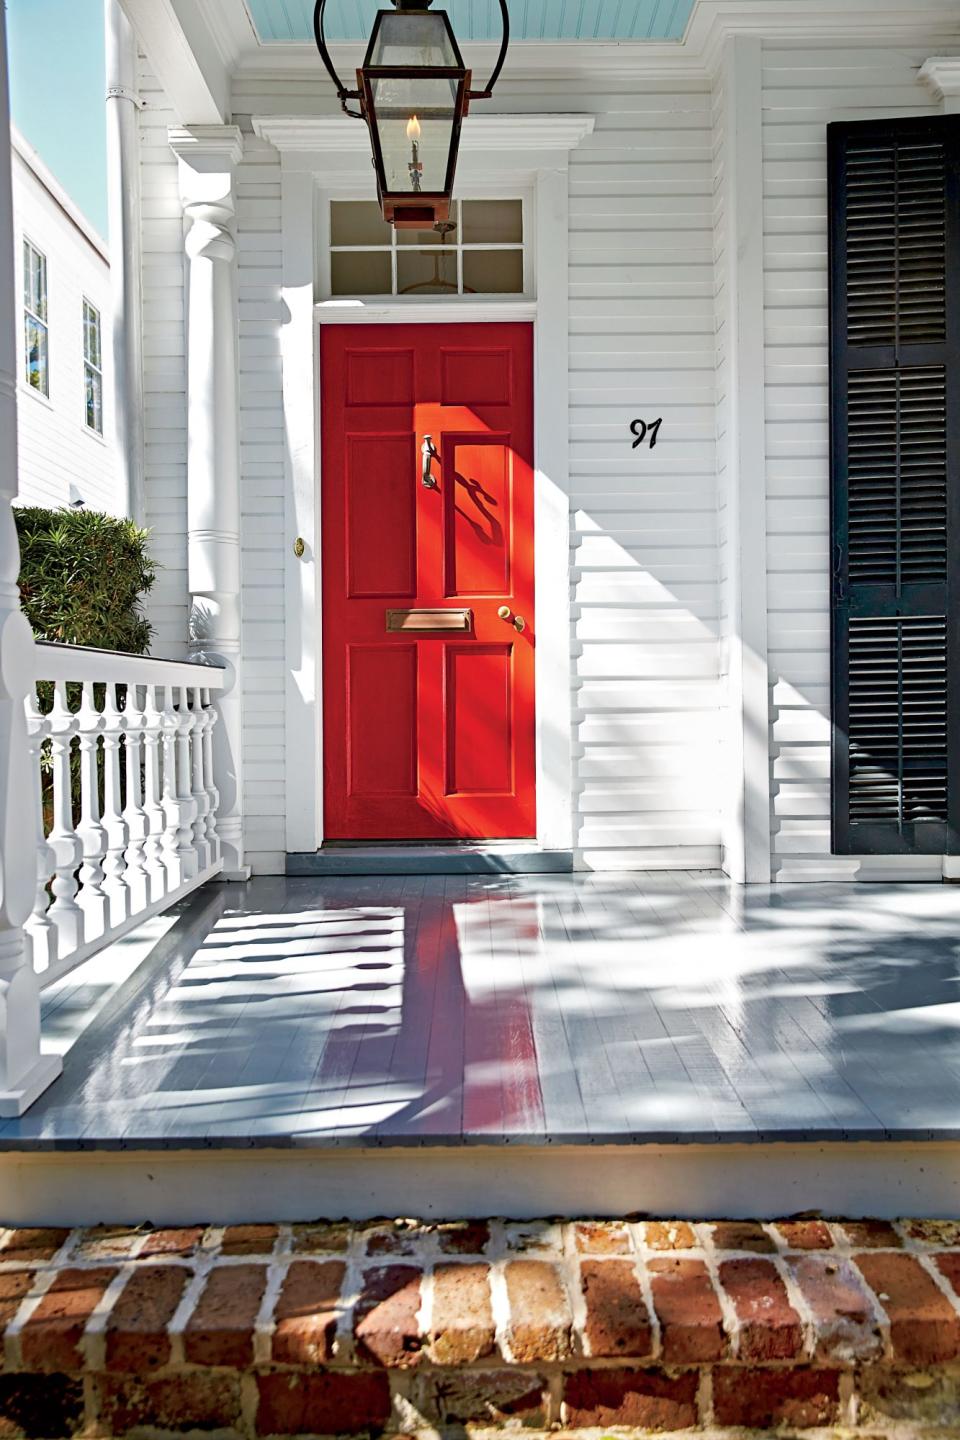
[941,75]
[303,134]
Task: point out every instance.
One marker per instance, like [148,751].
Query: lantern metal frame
[411,210]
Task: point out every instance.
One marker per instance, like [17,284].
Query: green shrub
[82,577]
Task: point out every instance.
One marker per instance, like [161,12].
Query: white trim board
[302,177]
[177,1187]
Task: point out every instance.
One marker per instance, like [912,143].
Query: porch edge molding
[208,156]
[319,134]
[941,75]
[747,825]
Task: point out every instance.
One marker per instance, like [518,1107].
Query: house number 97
[644,431]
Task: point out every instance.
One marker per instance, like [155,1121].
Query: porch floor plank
[487,1009]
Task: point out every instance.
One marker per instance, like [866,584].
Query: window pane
[94,397]
[91,334]
[36,354]
[360,273]
[426,272]
[427,237]
[357,222]
[492,222]
[493,272]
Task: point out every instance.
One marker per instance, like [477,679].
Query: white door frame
[511,153]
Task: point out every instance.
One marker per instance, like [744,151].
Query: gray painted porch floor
[525,1010]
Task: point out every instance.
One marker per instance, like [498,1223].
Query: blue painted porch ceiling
[277,21]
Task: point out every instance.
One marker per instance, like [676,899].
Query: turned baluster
[114,864]
[41,930]
[134,815]
[92,898]
[63,838]
[201,800]
[213,794]
[186,809]
[171,809]
[156,869]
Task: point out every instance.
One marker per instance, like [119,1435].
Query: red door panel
[428,734]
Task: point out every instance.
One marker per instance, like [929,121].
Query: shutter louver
[894,388]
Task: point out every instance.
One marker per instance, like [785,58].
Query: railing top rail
[86,663]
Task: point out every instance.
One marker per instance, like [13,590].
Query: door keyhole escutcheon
[517,621]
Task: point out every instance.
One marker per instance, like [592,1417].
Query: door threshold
[459,857]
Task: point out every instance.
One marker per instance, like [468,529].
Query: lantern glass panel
[402,40]
[414,120]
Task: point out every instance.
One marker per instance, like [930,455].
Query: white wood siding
[805,87]
[56,449]
[164,370]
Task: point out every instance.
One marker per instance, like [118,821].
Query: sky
[57,89]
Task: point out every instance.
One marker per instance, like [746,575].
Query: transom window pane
[479,251]
[35,337]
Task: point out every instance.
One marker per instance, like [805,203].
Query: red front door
[428,717]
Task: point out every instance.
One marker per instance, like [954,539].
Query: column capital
[208,156]
[941,75]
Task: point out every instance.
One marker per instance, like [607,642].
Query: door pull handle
[517,621]
[429,454]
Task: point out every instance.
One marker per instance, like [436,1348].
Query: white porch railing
[142,831]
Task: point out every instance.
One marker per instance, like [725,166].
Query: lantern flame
[413,128]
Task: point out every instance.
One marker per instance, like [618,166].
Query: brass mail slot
[429,619]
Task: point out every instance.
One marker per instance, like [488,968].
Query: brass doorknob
[517,621]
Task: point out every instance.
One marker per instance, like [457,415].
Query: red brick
[393,1240]
[645,1398]
[618,1322]
[486,1397]
[463,1329]
[463,1237]
[602,1237]
[306,1312]
[323,1403]
[540,1326]
[770,1328]
[742,1235]
[321,1238]
[871,1234]
[220,1330]
[938,1233]
[924,1327]
[669,1235]
[249,1240]
[761,1399]
[832,1288]
[14,1285]
[51,1338]
[136,1335]
[40,1405]
[32,1247]
[386,1324]
[691,1321]
[805,1234]
[190,1400]
[163,1243]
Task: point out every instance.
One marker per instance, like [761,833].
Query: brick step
[395,1327]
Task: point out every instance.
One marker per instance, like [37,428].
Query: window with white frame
[92,368]
[478,252]
[36,341]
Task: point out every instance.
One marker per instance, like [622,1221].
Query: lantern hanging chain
[343,95]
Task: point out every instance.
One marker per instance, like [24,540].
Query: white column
[746,829]
[125,375]
[24,1072]
[208,157]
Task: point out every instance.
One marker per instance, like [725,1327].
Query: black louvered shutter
[895,452]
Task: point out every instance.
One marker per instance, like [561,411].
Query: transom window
[35,337]
[478,252]
[92,368]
